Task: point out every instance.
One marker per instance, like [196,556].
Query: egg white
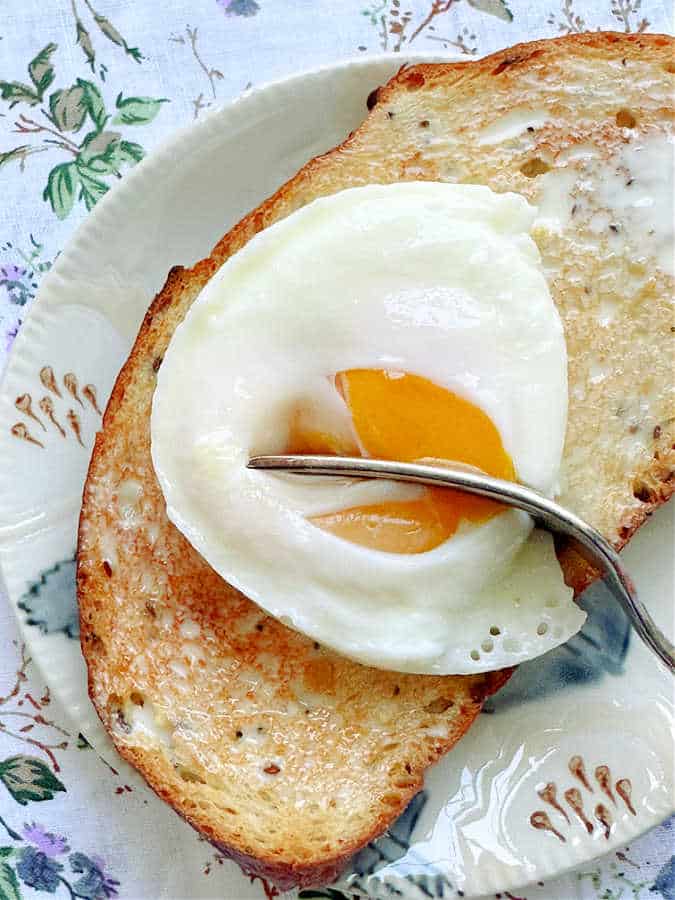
[437,280]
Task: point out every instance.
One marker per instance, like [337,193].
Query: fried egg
[409,321]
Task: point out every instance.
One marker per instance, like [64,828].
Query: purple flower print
[239,7]
[11,334]
[12,272]
[38,867]
[50,844]
[108,883]
[16,281]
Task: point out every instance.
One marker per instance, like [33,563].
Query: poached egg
[410,321]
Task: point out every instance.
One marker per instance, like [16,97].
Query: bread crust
[323,175]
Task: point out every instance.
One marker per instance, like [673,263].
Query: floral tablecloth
[87,88]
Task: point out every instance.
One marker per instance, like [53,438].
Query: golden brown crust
[121,614]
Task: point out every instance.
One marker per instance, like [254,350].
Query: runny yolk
[396,415]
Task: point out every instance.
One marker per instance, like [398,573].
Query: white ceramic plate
[572,759]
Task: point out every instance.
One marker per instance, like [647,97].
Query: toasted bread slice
[286,756]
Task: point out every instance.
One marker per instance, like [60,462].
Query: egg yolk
[400,416]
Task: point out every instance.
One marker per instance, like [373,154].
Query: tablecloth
[70,824]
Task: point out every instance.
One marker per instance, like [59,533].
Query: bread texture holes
[414,81]
[625,119]
[121,722]
[402,785]
[439,705]
[642,491]
[191,777]
[535,166]
[512,61]
[504,64]
[96,644]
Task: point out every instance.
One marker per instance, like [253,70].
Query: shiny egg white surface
[409,321]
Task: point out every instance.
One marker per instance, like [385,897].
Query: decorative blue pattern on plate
[600,648]
[51,601]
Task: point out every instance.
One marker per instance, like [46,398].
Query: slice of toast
[288,757]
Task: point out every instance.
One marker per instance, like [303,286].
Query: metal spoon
[554,518]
